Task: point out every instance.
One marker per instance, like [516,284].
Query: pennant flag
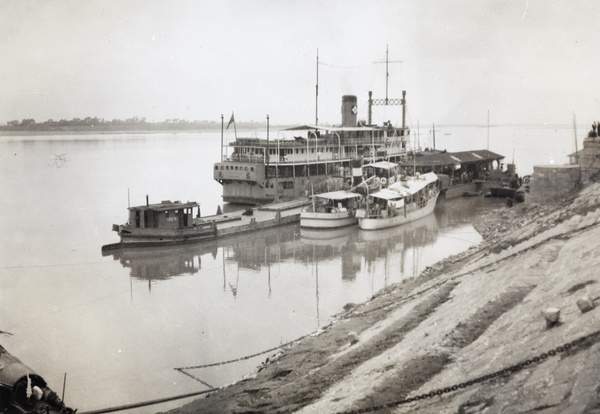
[231,120]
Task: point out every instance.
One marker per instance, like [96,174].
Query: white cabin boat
[331,210]
[400,203]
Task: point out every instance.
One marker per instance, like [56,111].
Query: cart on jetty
[22,391]
[173,223]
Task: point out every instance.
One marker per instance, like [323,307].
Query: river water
[118,325]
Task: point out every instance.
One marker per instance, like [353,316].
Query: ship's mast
[317,93]
[387,74]
[388,101]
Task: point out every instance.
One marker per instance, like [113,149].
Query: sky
[530,62]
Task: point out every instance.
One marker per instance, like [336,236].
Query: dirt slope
[465,318]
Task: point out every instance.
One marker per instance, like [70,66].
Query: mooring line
[195,378]
[214,364]
[146,403]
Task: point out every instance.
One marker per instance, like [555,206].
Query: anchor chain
[506,372]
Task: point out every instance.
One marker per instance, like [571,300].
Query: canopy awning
[386,165]
[338,195]
[387,194]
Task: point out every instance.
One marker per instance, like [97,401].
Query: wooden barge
[173,223]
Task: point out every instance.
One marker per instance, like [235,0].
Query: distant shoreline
[27,133]
[109,131]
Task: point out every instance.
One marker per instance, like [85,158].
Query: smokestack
[349,111]
[357,174]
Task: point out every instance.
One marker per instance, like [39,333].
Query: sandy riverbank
[464,318]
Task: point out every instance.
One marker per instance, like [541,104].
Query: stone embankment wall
[553,180]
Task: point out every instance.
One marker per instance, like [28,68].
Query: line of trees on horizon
[139,123]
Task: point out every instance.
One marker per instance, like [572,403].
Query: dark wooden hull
[502,192]
[139,237]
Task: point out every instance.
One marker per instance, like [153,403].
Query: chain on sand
[506,372]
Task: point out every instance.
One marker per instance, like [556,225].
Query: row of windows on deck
[288,171]
[234,167]
[285,151]
[328,137]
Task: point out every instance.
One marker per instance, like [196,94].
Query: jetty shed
[454,168]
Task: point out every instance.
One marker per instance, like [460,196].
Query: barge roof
[339,128]
[166,206]
[433,159]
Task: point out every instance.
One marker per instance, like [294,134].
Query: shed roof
[442,159]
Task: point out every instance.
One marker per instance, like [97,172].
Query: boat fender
[392,180]
[383,181]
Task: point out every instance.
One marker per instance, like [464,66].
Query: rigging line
[540,126]
[343,66]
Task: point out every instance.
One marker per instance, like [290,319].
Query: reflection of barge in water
[163,262]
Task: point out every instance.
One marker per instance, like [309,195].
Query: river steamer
[402,202]
[313,157]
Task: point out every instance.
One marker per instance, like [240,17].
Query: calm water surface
[119,324]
